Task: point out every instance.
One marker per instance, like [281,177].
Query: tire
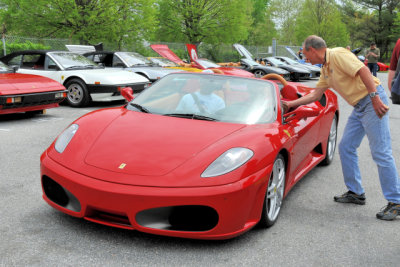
[259,73]
[77,93]
[331,144]
[295,77]
[274,195]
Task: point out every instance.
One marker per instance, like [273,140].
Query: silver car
[130,61]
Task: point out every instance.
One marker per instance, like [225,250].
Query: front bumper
[223,211]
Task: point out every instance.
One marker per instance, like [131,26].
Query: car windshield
[291,61]
[4,67]
[134,59]
[205,63]
[163,62]
[275,61]
[70,60]
[250,62]
[210,97]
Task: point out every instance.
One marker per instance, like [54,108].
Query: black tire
[295,77]
[259,73]
[331,144]
[273,199]
[77,93]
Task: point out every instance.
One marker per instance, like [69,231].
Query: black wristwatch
[373,94]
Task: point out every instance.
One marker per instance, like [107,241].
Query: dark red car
[28,93]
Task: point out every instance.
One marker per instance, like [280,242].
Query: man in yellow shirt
[348,76]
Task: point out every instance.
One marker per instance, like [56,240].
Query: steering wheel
[274,76]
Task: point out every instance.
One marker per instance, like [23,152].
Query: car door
[305,138]
[41,64]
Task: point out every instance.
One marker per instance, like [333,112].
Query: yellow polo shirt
[340,72]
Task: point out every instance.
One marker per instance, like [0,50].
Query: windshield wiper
[139,107]
[191,116]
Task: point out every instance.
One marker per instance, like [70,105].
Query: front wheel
[274,196]
[77,93]
[331,143]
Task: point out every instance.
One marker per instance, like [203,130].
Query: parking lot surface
[312,229]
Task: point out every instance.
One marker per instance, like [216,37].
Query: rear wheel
[331,144]
[274,196]
[77,93]
[259,73]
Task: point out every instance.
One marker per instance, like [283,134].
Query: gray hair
[315,42]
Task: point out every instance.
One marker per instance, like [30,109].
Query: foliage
[322,18]
[12,47]
[88,21]
[263,28]
[212,21]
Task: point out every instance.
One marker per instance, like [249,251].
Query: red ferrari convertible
[195,155]
[27,93]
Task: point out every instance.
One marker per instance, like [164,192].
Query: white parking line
[5,130]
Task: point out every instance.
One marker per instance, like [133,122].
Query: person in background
[372,55]
[393,63]
[349,77]
[300,53]
[348,48]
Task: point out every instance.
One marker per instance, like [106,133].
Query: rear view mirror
[301,113]
[127,93]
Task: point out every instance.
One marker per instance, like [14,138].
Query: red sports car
[203,64]
[195,155]
[27,93]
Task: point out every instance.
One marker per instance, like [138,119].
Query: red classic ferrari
[27,93]
[195,155]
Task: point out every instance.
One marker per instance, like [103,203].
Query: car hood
[271,69]
[164,51]
[17,83]
[152,145]
[243,51]
[294,69]
[235,72]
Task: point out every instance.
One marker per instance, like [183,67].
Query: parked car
[296,73]
[28,93]
[248,63]
[315,71]
[166,63]
[85,80]
[130,61]
[203,64]
[169,164]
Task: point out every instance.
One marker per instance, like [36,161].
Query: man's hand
[285,106]
[380,108]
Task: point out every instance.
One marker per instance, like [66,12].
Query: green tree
[212,21]
[322,18]
[263,28]
[88,21]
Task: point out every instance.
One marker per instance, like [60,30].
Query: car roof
[29,52]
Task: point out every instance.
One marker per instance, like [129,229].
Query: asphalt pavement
[312,229]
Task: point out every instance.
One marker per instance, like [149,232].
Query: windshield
[205,63]
[210,97]
[275,61]
[134,59]
[250,62]
[70,60]
[291,61]
[163,62]
[4,67]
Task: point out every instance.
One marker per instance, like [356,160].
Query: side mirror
[127,93]
[301,113]
[15,68]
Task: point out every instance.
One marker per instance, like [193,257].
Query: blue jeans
[373,68]
[364,121]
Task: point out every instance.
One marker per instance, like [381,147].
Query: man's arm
[379,107]
[307,99]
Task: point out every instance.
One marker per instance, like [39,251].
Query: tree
[85,20]
[212,21]
[263,28]
[322,18]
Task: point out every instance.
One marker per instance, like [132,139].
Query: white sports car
[85,80]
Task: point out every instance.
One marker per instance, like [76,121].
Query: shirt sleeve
[395,56]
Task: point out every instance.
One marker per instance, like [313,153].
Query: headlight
[65,137]
[229,161]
